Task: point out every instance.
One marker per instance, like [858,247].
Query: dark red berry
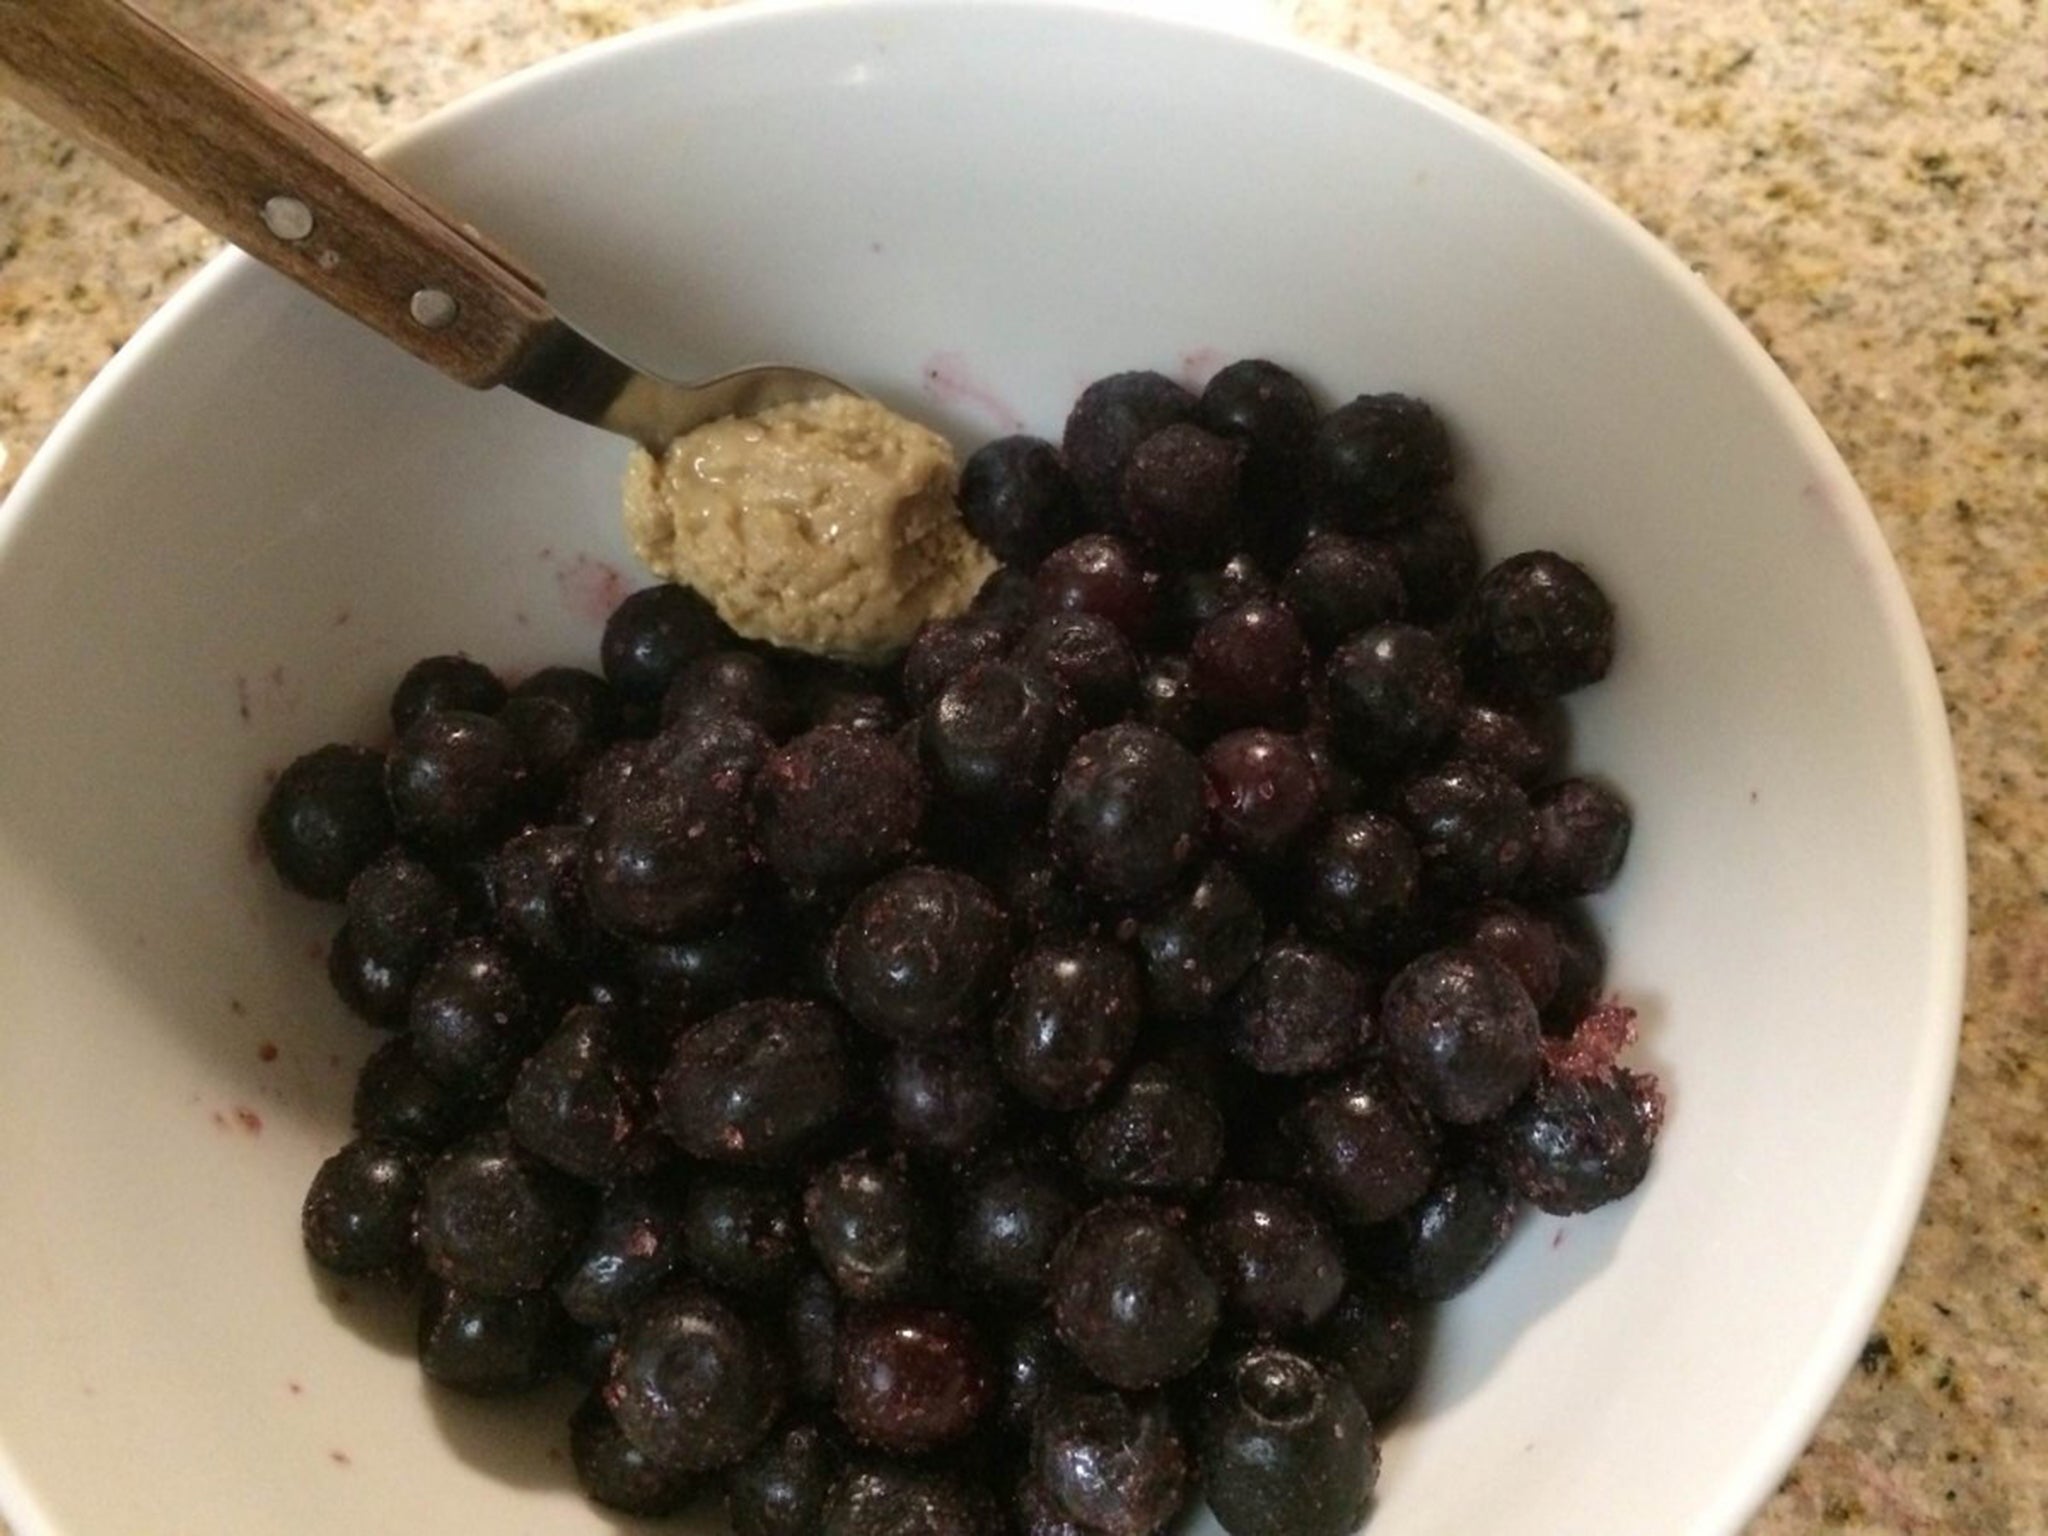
[1265,791]
[1251,665]
[1088,658]
[1099,573]
[911,1378]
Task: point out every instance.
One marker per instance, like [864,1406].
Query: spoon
[248,165]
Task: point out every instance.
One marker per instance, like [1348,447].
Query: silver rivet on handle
[433,309]
[288,218]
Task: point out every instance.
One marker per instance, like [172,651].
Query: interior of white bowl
[261,514]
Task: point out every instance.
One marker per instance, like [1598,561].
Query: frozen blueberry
[693,1384]
[668,854]
[400,913]
[1375,461]
[1581,970]
[1301,1010]
[1007,599]
[1272,413]
[899,1499]
[1444,1241]
[1582,835]
[1526,942]
[325,819]
[555,745]
[1473,828]
[1088,658]
[1280,1267]
[436,684]
[359,1214]
[1461,1033]
[1374,1338]
[1360,877]
[920,953]
[997,734]
[575,1105]
[370,989]
[1070,1023]
[1286,1448]
[1179,495]
[1392,694]
[872,1228]
[536,880]
[488,1345]
[759,1084]
[1192,598]
[1018,499]
[628,1253]
[1363,1147]
[1101,574]
[739,684]
[742,1235]
[1129,811]
[471,1019]
[781,1489]
[586,695]
[943,649]
[1438,559]
[859,698]
[616,1473]
[1031,1365]
[453,779]
[1251,665]
[1011,1213]
[1537,626]
[942,1098]
[1338,586]
[1108,422]
[911,1379]
[396,1100]
[838,807]
[652,636]
[1111,1463]
[1577,1141]
[1199,943]
[495,1221]
[1159,1134]
[1169,702]
[1265,791]
[604,778]
[1130,1297]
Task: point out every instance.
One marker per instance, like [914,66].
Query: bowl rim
[1777,1440]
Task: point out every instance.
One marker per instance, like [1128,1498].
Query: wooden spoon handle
[243,161]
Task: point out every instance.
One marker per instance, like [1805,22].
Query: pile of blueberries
[1028,1085]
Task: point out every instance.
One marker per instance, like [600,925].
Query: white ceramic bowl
[259,514]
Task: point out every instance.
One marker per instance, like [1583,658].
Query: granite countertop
[1863,180]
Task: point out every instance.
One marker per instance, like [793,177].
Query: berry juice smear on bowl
[1052,1076]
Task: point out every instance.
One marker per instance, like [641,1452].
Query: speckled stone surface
[1863,180]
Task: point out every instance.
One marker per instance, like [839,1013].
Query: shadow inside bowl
[521,1441]
[378,1312]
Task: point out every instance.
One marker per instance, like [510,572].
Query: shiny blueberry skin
[1374,462]
[996,735]
[652,636]
[1363,1147]
[1157,1134]
[1300,1010]
[576,1106]
[1114,1464]
[1129,811]
[628,1252]
[453,779]
[494,1221]
[1018,499]
[1101,574]
[1130,1297]
[1537,626]
[359,1215]
[911,1378]
[1393,695]
[920,954]
[325,819]
[1070,1023]
[872,1228]
[758,1084]
[693,1384]
[1461,1033]
[1285,1447]
[1198,944]
[1338,586]
[488,1345]
[438,683]
[1278,1262]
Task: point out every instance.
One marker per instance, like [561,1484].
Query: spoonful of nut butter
[807,514]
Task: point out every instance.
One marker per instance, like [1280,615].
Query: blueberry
[997,734]
[1361,876]
[554,744]
[694,976]
[1113,1464]
[586,695]
[1525,743]
[1338,586]
[652,636]
[359,1214]
[894,1499]
[372,990]
[1438,560]
[1461,1034]
[1099,573]
[1393,695]
[743,1236]
[471,1019]
[920,954]
[668,854]
[536,880]
[1088,658]
[693,1384]
[454,778]
[837,808]
[494,1221]
[1581,970]
[1198,944]
[1582,836]
[758,1084]
[1301,1010]
[1472,826]
[1178,495]
[1031,1366]
[1444,1241]
[942,1098]
[850,696]
[1537,626]
[628,1253]
[396,1100]
[1273,414]
[488,1345]
[615,1472]
[604,778]
[1011,1213]
[1168,701]
[325,819]
[1129,1296]
[1035,891]
[810,1332]
[1265,791]
[1374,1338]
[1363,1147]
[1374,461]
[1286,1448]
[1159,1134]
[781,1489]
[1008,599]
[575,1106]
[1526,942]
[1070,1023]
[1576,1142]
[1279,1265]
[1251,665]
[743,685]
[943,649]
[1108,422]
[1128,814]
[1018,499]
[911,1379]
[437,684]
[871,1227]
[400,913]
